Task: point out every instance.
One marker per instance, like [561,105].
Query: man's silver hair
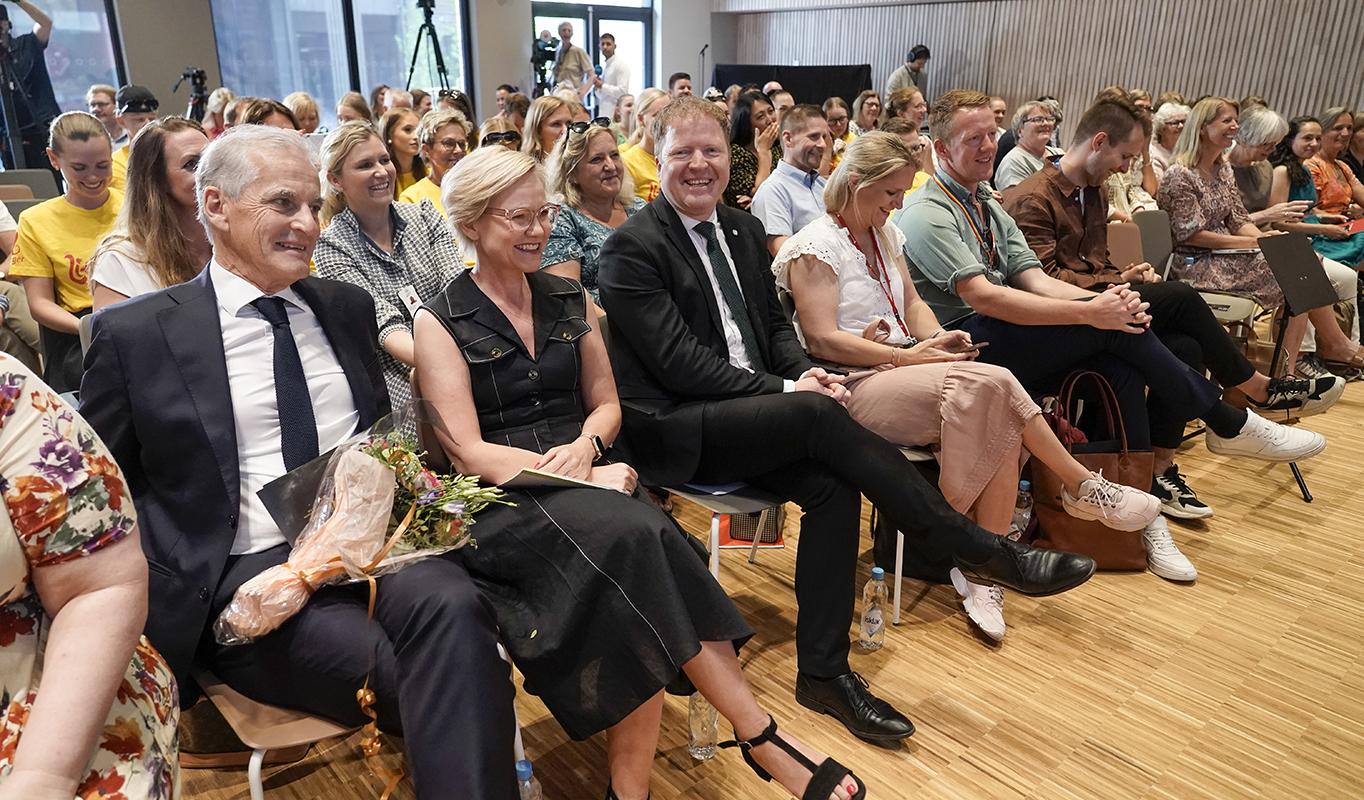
[234,160]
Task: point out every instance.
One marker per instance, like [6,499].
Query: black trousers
[805,448]
[1183,322]
[1041,356]
[431,656]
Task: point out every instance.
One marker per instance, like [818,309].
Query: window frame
[595,15]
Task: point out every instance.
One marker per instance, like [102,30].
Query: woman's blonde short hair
[1191,139]
[541,109]
[301,103]
[435,120]
[564,161]
[869,158]
[646,98]
[336,148]
[218,100]
[470,186]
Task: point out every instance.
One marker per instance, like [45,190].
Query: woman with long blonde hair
[915,383]
[545,123]
[398,129]
[157,239]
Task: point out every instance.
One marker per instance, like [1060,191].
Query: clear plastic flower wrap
[377,509]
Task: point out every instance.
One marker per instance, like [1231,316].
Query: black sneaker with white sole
[1176,498]
[1307,396]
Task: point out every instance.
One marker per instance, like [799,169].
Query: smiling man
[973,265]
[715,388]
[210,389]
[793,196]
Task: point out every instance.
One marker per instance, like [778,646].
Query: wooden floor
[1247,684]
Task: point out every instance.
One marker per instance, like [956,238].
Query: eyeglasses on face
[525,218]
[454,144]
[502,137]
[1041,119]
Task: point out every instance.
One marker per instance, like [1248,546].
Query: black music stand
[1297,268]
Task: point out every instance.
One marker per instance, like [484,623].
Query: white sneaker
[1268,441]
[1163,556]
[984,604]
[1120,507]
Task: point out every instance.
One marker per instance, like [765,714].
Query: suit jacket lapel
[194,337]
[340,336]
[681,239]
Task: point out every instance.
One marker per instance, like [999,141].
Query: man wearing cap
[136,107]
[35,105]
[910,75]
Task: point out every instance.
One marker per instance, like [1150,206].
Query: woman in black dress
[602,600]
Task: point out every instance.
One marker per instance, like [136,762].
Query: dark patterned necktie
[729,290]
[297,425]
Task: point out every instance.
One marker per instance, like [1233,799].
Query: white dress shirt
[249,346]
[615,83]
[738,354]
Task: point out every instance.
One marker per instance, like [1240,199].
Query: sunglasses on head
[581,127]
[502,137]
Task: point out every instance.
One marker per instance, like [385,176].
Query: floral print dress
[66,499]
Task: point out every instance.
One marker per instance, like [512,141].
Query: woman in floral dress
[88,708]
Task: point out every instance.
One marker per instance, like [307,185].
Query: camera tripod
[428,29]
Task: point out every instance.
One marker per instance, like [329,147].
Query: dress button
[567,335]
[497,352]
[203,595]
[232,520]
[533,374]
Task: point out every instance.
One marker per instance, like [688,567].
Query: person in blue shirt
[35,105]
[793,196]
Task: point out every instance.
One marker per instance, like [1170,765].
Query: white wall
[681,29]
[501,31]
[161,38]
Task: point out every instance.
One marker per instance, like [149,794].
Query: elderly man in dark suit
[715,388]
[210,389]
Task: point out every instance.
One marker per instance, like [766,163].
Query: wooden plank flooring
[1248,685]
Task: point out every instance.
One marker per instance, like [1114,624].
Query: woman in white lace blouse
[914,383]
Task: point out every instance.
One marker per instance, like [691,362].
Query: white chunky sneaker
[1113,504]
[984,604]
[1163,556]
[1268,441]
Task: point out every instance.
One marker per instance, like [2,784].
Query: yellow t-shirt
[119,164]
[406,180]
[423,189]
[920,178]
[644,171]
[56,240]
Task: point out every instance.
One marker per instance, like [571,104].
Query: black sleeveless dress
[600,597]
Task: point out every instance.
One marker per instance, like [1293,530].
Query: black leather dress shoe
[848,699]
[1028,570]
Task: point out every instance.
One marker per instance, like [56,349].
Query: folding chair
[741,500]
[17,207]
[40,181]
[9,192]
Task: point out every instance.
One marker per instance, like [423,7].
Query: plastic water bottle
[526,783]
[1022,511]
[1188,264]
[873,629]
[703,721]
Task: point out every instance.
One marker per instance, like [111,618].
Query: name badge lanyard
[882,277]
[985,239]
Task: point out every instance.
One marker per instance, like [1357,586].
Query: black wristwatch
[597,446]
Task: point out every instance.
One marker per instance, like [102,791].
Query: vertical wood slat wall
[1301,55]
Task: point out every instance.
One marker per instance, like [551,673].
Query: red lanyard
[882,277]
[986,240]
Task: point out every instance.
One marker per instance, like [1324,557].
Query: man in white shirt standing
[614,80]
[208,390]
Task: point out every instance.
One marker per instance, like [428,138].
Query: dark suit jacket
[667,345]
[156,390]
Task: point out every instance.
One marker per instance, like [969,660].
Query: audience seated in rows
[1293,182]
[638,154]
[157,239]
[180,385]
[793,195]
[519,373]
[401,254]
[445,137]
[1032,127]
[716,388]
[1061,211]
[973,265]
[1339,191]
[587,176]
[914,383]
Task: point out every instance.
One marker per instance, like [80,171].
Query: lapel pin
[733,231]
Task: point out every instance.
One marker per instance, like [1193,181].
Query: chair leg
[1302,482]
[899,576]
[715,546]
[763,517]
[518,747]
[253,776]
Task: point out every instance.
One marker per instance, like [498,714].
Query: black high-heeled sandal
[611,793]
[824,778]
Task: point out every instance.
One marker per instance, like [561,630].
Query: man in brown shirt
[1062,213]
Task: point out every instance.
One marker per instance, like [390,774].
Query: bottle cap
[523,770]
[878,574]
[1024,486]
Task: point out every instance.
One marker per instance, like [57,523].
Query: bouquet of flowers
[378,508]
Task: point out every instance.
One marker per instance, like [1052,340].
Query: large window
[629,21]
[269,48]
[80,52]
